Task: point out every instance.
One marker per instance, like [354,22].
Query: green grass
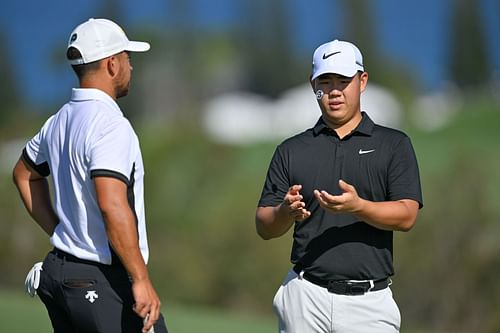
[21,313]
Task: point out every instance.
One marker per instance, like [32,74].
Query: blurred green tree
[8,86]
[265,45]
[360,28]
[468,60]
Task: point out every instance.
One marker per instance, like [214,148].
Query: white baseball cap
[97,39]
[337,57]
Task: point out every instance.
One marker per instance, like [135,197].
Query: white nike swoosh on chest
[361,151]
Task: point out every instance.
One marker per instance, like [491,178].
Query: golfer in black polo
[345,185]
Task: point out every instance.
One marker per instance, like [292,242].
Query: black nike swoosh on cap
[326,56]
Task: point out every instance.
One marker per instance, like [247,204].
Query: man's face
[341,99]
[122,80]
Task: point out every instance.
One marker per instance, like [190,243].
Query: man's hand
[293,206]
[274,221]
[347,202]
[399,215]
[147,303]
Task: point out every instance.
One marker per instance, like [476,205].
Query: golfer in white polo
[95,279]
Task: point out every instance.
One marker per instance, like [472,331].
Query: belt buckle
[348,288]
[356,288]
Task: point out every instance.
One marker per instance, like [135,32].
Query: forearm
[389,215]
[37,201]
[122,234]
[272,222]
[35,194]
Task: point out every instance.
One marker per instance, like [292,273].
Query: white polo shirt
[88,137]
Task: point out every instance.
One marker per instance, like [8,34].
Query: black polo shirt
[378,161]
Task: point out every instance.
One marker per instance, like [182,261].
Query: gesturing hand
[293,206]
[347,202]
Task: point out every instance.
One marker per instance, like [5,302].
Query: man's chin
[122,93]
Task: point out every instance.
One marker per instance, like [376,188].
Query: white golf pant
[303,307]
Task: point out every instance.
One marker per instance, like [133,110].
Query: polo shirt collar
[88,94]
[364,127]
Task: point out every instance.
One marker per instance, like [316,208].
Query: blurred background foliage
[201,194]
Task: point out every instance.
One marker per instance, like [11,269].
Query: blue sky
[410,32]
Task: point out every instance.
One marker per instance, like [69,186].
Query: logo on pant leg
[91,296]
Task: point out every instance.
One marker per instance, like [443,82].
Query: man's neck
[347,127]
[95,83]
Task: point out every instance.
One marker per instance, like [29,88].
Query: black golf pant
[82,296]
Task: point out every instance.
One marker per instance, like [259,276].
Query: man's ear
[112,66]
[363,80]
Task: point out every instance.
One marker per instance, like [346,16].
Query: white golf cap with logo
[337,57]
[97,39]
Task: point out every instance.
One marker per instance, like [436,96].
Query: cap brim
[347,72]
[137,46]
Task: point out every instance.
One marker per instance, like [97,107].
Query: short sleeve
[403,173]
[277,181]
[35,152]
[114,151]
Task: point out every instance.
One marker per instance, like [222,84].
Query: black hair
[83,69]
